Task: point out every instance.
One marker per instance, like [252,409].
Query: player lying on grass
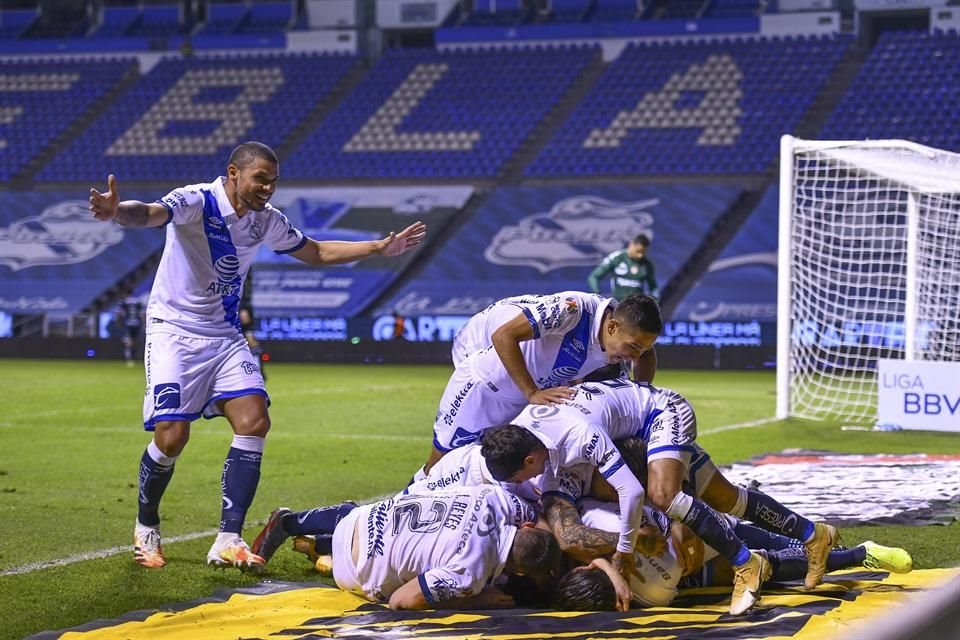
[583,431]
[658,579]
[443,550]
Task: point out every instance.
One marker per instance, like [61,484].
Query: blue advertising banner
[282,286]
[741,285]
[548,239]
[56,258]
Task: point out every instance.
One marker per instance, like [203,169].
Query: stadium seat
[159,21]
[16,22]
[222,18]
[116,21]
[268,17]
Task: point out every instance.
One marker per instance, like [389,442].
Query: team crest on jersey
[577,231]
[64,233]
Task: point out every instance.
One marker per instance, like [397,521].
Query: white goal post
[869,268]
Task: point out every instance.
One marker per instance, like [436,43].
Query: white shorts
[344,569]
[671,429]
[188,375]
[468,407]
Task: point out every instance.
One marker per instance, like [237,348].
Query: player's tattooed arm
[575,538]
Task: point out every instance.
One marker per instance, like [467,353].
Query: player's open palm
[397,243]
[551,395]
[105,205]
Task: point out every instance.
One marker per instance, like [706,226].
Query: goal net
[869,268]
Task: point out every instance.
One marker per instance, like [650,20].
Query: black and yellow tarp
[293,612]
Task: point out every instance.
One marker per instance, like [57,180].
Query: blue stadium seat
[179,121]
[223,18]
[615,10]
[569,10]
[268,17]
[15,22]
[909,87]
[48,99]
[159,21]
[695,108]
[442,113]
[116,21]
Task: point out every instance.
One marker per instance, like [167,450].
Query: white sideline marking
[112,551]
[106,553]
[739,425]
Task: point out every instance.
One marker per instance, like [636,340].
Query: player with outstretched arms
[197,361]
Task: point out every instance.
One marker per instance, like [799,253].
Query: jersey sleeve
[602,270]
[184,204]
[552,314]
[280,234]
[463,577]
[598,449]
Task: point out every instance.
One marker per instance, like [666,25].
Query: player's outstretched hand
[650,543]
[492,598]
[397,243]
[553,395]
[105,205]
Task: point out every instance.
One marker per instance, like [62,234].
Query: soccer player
[526,349]
[197,361]
[658,579]
[441,550]
[666,422]
[631,268]
[130,315]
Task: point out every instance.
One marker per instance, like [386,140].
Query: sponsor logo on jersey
[64,233]
[166,395]
[577,231]
[462,437]
[591,446]
[215,222]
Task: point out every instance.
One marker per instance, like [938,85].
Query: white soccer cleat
[234,552]
[747,580]
[147,550]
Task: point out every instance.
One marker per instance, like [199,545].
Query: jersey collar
[609,303]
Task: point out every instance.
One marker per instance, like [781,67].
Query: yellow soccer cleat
[825,538]
[892,559]
[747,580]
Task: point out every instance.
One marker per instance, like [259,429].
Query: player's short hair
[536,554]
[640,311]
[641,239]
[585,590]
[504,448]
[248,152]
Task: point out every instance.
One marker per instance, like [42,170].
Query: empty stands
[691,108]
[39,100]
[181,120]
[424,114]
[909,87]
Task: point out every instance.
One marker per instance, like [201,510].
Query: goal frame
[789,146]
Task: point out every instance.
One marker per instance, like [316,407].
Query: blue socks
[319,521]
[710,526]
[791,564]
[765,512]
[156,469]
[241,475]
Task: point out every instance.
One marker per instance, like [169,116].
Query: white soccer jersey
[455,542]
[206,257]
[466,467]
[565,343]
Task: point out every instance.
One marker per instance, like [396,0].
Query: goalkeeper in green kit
[630,269]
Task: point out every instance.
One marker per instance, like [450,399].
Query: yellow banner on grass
[700,614]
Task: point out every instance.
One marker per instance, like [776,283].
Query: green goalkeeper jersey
[626,275]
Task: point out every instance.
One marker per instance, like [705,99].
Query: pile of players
[543,489]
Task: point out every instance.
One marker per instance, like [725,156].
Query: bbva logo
[64,233]
[577,231]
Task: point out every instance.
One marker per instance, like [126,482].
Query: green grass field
[71,440]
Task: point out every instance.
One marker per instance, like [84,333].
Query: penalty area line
[739,425]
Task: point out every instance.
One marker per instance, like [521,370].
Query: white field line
[112,551]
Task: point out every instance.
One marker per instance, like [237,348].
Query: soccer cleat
[272,535]
[234,553]
[892,559]
[747,580]
[147,550]
[818,548]
[307,546]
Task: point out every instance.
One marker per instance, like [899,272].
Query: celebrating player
[666,422]
[442,550]
[197,361]
[526,349]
